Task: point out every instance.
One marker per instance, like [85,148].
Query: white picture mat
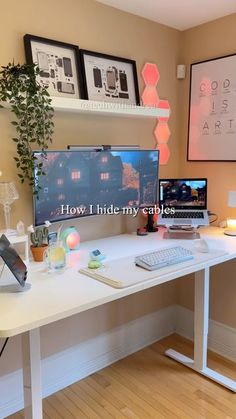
[212,123]
[104,65]
[53,51]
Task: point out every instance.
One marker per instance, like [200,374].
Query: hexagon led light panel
[162,132]
[164,153]
[164,104]
[150,96]
[150,74]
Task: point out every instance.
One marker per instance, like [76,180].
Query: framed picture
[212,110]
[59,65]
[109,79]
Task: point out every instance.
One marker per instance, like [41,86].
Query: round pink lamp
[70,239]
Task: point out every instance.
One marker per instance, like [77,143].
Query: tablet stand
[14,288]
[8,287]
[23,240]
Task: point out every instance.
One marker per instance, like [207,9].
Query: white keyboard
[163,257]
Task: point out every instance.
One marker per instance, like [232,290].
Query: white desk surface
[53,297]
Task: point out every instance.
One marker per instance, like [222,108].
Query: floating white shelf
[93,107]
[107,108]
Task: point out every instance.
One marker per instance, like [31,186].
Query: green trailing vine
[31,105]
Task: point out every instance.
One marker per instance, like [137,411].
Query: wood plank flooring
[146,385]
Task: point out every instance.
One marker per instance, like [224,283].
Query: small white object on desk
[231,227]
[201,246]
[20,228]
[231,223]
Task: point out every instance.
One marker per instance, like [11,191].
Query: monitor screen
[80,183]
[183,193]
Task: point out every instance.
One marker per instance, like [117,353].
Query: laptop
[183,202]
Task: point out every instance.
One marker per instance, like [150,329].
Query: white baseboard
[73,364]
[221,338]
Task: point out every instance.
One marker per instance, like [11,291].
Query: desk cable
[6,340]
[210,214]
[4,346]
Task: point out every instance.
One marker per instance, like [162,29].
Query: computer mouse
[200,245]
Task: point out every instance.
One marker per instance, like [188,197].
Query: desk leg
[201,320]
[32,374]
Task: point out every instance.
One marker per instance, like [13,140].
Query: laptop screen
[183,193]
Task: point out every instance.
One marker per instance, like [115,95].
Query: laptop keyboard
[184,214]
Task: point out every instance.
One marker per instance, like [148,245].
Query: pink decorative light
[164,153]
[162,132]
[73,240]
[150,96]
[70,238]
[164,104]
[150,74]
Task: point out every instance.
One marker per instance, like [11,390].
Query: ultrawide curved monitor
[81,183]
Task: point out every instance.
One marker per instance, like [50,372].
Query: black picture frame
[105,81]
[59,63]
[212,128]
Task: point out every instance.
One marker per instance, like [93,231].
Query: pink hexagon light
[162,132]
[164,153]
[150,96]
[150,74]
[164,104]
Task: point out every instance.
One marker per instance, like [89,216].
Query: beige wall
[99,28]
[210,40]
[96,27]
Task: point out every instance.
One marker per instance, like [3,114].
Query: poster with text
[212,110]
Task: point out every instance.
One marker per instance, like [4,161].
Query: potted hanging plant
[31,105]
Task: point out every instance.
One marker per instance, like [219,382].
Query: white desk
[54,297]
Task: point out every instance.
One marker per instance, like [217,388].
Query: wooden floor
[146,385]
